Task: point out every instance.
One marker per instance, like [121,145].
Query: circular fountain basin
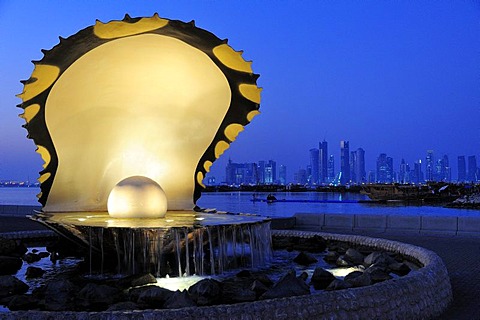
[182,243]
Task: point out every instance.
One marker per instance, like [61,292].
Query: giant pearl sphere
[137,197]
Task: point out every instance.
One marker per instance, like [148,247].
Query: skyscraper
[331,169]
[270,172]
[314,164]
[323,165]
[344,162]
[385,169]
[462,169]
[472,169]
[359,166]
[282,174]
[429,166]
[402,173]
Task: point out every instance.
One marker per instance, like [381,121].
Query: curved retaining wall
[422,294]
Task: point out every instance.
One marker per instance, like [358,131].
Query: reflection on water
[240,202]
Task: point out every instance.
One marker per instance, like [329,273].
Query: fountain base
[181,244]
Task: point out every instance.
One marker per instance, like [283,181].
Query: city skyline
[385,169]
[390,77]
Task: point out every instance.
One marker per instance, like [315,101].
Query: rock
[303,276]
[43,255]
[358,279]
[338,284]
[124,305]
[60,295]
[259,288]
[206,292]
[236,290]
[354,256]
[179,299]
[342,262]
[31,257]
[9,286]
[377,274]
[11,248]
[321,278]
[379,259]
[136,280]
[331,257]
[9,265]
[288,286]
[305,259]
[154,296]
[23,302]
[399,268]
[34,272]
[97,297]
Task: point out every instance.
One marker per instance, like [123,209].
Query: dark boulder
[305,259]
[179,299]
[331,256]
[354,256]
[342,262]
[31,257]
[358,279]
[9,265]
[377,274]
[235,290]
[205,292]
[338,284]
[288,286]
[321,278]
[258,287]
[97,297]
[9,286]
[379,259]
[12,248]
[23,302]
[399,268]
[155,297]
[34,272]
[136,280]
[60,295]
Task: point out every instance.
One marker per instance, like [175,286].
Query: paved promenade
[461,255]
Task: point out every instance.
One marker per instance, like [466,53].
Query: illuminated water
[239,202]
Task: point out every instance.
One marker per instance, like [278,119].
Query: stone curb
[422,294]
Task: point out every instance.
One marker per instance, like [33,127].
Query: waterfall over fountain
[128,117]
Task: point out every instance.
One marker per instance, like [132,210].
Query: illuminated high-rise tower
[344,162]
[323,165]
[429,166]
[472,169]
[314,164]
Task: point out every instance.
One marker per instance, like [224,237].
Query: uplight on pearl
[137,197]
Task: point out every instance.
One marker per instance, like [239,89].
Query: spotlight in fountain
[128,117]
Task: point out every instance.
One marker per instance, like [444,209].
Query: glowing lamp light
[137,197]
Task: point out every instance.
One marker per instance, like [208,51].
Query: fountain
[128,117]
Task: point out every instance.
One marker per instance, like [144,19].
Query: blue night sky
[395,77]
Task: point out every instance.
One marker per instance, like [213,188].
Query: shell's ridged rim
[243,107]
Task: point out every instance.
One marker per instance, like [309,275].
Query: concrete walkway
[460,254]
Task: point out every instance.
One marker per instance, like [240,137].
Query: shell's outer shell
[245,95]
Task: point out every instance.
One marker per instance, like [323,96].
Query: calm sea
[240,202]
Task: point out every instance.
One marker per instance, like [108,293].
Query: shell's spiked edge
[245,95]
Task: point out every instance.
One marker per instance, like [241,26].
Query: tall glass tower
[344,162]
[323,157]
[314,164]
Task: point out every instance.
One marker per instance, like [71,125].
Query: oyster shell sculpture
[142,99]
